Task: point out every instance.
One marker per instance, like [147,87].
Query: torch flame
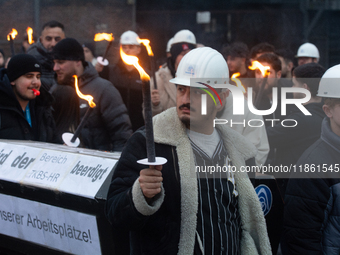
[88,98]
[13,33]
[238,82]
[103,36]
[257,65]
[146,43]
[132,60]
[29,32]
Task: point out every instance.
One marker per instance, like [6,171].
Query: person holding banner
[25,107]
[173,208]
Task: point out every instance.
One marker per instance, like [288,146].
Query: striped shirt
[218,219]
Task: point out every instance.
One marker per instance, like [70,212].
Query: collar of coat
[168,129]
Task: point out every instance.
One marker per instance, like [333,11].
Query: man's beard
[67,80]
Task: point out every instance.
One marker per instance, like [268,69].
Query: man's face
[65,69]
[88,54]
[188,103]
[132,50]
[306,60]
[50,36]
[180,56]
[271,81]
[22,87]
[334,115]
[235,63]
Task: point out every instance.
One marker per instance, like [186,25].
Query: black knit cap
[68,49]
[21,64]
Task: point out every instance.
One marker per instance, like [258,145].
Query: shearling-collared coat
[168,225]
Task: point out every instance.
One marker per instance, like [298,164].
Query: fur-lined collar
[168,129]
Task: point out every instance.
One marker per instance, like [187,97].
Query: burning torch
[72,139]
[264,70]
[100,37]
[146,43]
[238,82]
[150,145]
[10,37]
[29,32]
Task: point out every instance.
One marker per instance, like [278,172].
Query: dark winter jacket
[129,86]
[291,142]
[168,225]
[108,127]
[13,123]
[312,204]
[45,59]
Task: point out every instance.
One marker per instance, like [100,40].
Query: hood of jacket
[89,74]
[328,136]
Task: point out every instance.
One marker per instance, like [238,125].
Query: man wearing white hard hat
[312,202]
[177,208]
[164,97]
[307,53]
[127,79]
[168,47]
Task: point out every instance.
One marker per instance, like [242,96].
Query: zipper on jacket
[174,160]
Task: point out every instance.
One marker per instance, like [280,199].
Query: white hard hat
[184,35]
[203,62]
[168,45]
[330,83]
[129,38]
[308,50]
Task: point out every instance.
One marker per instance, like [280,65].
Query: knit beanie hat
[21,64]
[68,49]
[90,46]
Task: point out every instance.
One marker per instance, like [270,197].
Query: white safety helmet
[308,50]
[184,35]
[330,83]
[168,46]
[203,62]
[129,38]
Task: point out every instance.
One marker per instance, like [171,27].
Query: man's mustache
[186,106]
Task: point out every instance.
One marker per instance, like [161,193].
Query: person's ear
[12,83]
[278,74]
[305,86]
[327,110]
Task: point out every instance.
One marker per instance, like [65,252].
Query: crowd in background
[310,220]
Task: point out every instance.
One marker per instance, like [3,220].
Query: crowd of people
[171,208]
